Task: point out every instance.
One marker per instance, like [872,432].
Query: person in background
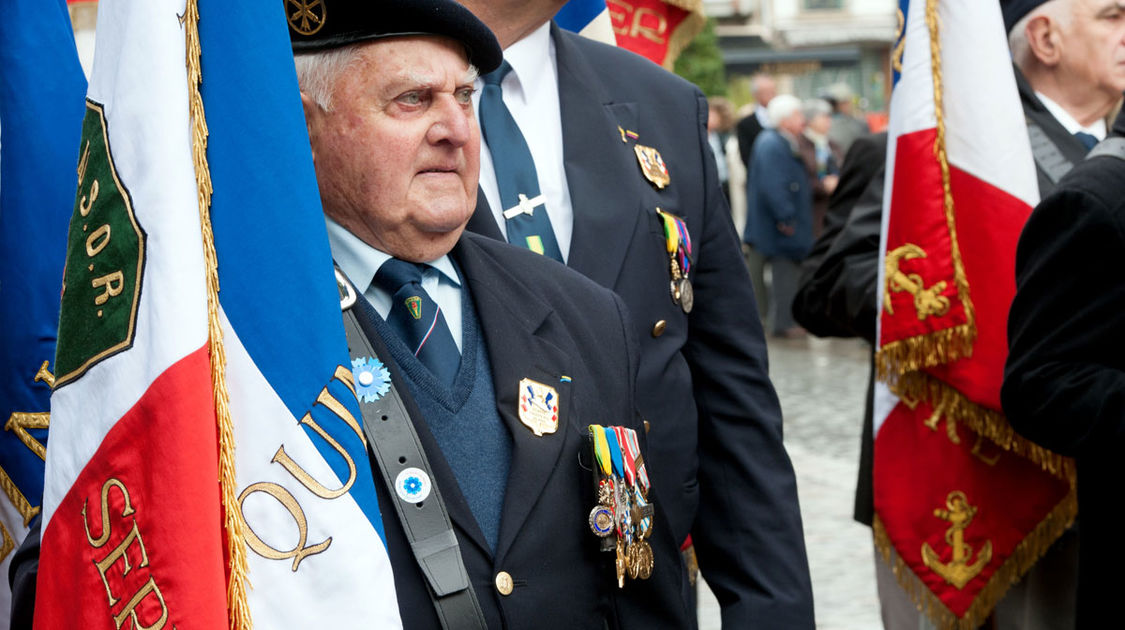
[763,88]
[845,126]
[720,123]
[779,209]
[822,157]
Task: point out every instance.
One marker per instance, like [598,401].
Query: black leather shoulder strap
[393,440]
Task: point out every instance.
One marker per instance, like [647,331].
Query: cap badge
[306,17]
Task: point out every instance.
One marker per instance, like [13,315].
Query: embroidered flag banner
[41,91]
[656,29]
[966,505]
[205,433]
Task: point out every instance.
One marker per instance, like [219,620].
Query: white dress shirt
[360,261]
[531,92]
[1097,129]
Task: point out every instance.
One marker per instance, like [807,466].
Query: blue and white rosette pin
[413,485]
[372,380]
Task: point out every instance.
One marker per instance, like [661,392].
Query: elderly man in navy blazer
[387,89]
[622,187]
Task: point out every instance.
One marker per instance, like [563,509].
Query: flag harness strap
[1113,146]
[396,447]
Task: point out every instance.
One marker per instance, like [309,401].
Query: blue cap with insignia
[325,24]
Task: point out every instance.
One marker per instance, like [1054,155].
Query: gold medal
[633,560]
[538,407]
[652,165]
[645,561]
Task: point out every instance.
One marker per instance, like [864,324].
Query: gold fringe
[1024,556]
[983,421]
[680,38]
[933,22]
[236,547]
[894,359]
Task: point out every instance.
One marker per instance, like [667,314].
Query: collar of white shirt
[360,261]
[531,93]
[1068,122]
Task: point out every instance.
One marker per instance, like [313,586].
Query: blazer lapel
[516,327]
[482,221]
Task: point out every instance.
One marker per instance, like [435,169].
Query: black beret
[1014,10]
[324,24]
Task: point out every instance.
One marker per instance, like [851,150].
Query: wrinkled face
[1093,44]
[398,156]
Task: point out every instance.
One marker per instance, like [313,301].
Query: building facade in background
[809,45]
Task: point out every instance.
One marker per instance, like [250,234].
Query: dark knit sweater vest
[463,419]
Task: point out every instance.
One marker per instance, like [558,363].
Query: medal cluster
[622,516]
[678,243]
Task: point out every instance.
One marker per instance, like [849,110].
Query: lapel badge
[652,165]
[372,380]
[539,407]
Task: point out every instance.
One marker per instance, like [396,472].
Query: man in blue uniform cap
[480,338]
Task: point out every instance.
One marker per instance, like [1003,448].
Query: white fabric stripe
[322,593]
[600,28]
[140,76]
[985,130]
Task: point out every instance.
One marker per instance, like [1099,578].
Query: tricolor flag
[207,467]
[966,505]
[656,29]
[41,88]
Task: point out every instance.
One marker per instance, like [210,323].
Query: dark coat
[778,192]
[747,130]
[542,321]
[1064,382]
[703,383]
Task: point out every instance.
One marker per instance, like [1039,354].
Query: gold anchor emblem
[926,301]
[957,571]
[308,17]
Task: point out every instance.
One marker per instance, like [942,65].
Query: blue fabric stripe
[42,92]
[576,14]
[275,268]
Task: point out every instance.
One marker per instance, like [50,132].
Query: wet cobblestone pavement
[821,384]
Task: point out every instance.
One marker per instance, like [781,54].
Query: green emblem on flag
[105,257]
[414,305]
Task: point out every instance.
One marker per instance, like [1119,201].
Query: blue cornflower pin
[372,380]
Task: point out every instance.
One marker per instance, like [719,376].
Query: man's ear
[313,117]
[1044,38]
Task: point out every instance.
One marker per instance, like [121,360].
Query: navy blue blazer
[715,442]
[542,321]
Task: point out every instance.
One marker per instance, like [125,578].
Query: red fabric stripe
[164,451]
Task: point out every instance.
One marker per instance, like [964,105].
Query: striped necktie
[417,319]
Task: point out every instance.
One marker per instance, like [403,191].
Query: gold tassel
[238,581]
[983,421]
[1023,557]
[924,351]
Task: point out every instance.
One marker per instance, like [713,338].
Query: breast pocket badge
[539,407]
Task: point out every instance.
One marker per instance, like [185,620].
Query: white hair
[759,83]
[1058,11]
[318,71]
[782,106]
[814,107]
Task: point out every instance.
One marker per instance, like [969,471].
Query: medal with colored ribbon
[677,242]
[622,517]
[602,516]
